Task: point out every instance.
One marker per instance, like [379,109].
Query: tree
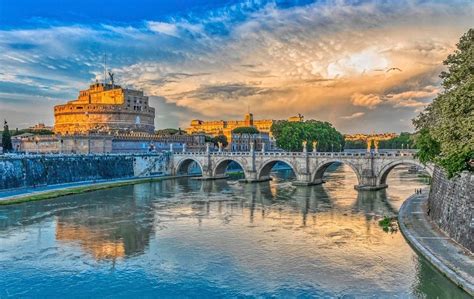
[404,140]
[220,138]
[449,120]
[290,135]
[170,131]
[6,138]
[428,147]
[245,130]
[36,132]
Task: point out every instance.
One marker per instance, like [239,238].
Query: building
[225,127]
[106,143]
[241,142]
[145,142]
[40,127]
[105,108]
[53,144]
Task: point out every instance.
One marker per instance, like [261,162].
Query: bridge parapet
[298,154]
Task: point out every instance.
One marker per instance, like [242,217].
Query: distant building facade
[242,142]
[104,143]
[105,108]
[40,127]
[225,127]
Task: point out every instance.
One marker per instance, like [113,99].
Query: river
[189,238]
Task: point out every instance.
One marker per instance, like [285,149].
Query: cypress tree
[6,138]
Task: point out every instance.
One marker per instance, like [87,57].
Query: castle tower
[249,119]
[105,108]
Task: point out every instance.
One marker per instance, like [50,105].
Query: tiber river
[188,238]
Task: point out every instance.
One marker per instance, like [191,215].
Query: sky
[364,66]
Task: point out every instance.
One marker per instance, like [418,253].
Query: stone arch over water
[263,172]
[221,166]
[183,166]
[317,176]
[385,171]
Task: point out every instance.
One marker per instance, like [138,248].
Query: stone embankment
[25,171]
[440,225]
[451,206]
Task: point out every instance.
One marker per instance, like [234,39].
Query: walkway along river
[217,238]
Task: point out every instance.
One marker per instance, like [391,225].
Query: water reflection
[216,238]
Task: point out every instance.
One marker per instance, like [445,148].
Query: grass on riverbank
[75,190]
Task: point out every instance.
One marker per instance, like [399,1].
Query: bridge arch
[182,167]
[221,166]
[318,174]
[385,171]
[264,170]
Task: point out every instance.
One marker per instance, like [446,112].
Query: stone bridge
[371,169]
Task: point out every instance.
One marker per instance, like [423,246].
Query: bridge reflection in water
[217,238]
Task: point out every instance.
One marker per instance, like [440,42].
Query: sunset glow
[348,63]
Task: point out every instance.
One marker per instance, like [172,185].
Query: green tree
[449,120]
[355,144]
[245,130]
[428,147]
[36,132]
[170,131]
[290,135]
[6,138]
[220,138]
[404,140]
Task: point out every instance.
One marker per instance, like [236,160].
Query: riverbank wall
[451,206]
[23,171]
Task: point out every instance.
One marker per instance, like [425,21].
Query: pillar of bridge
[303,173]
[367,177]
[304,179]
[208,168]
[251,173]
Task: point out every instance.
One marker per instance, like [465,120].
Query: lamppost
[332,147]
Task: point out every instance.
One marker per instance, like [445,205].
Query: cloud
[357,63]
[412,98]
[366,100]
[353,115]
[164,28]
[320,59]
[227,92]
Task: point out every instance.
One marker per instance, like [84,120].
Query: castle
[225,127]
[105,108]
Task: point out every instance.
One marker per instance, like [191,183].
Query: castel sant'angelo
[105,108]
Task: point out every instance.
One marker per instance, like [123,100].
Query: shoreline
[448,257]
[60,190]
